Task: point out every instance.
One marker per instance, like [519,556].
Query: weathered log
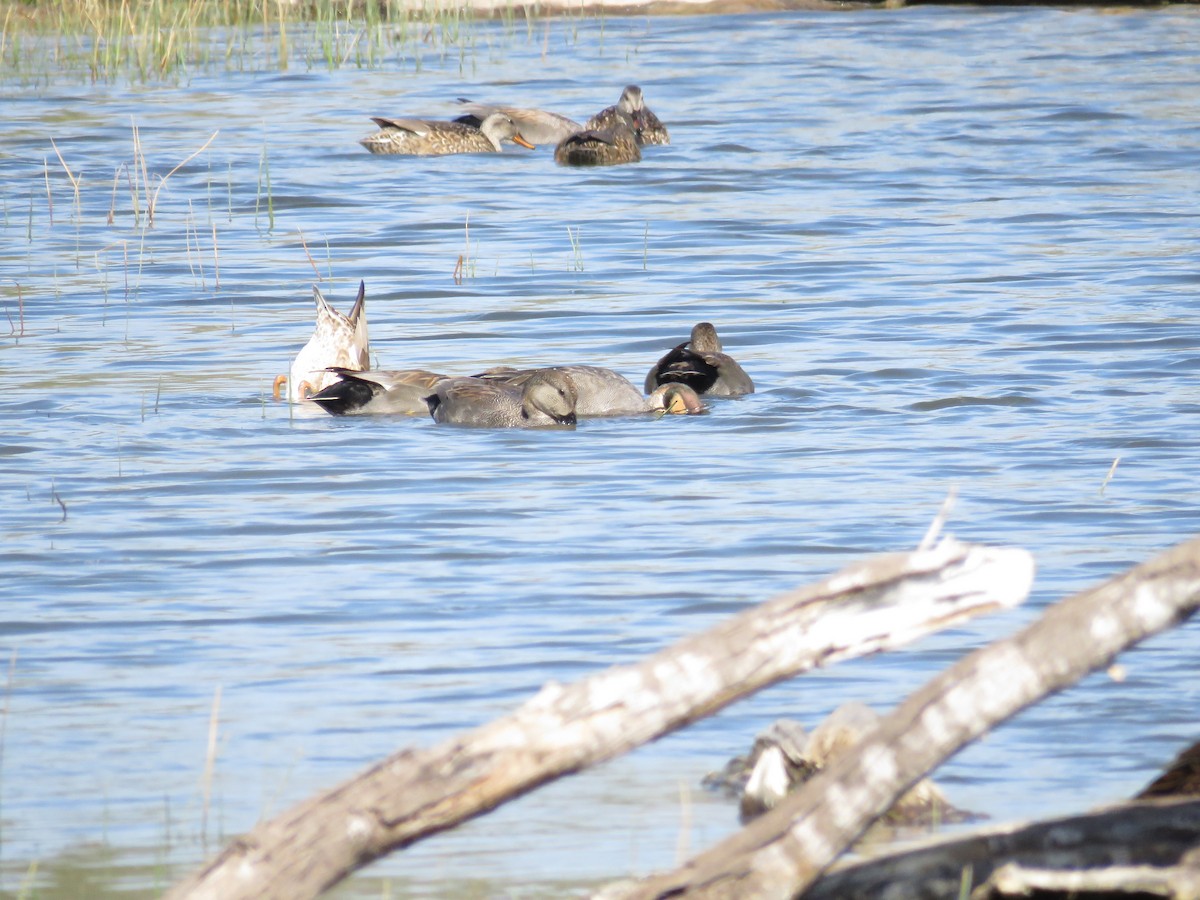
[868,607]
[782,853]
[1141,843]
[1112,883]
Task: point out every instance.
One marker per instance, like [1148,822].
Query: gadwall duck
[701,364]
[1181,778]
[379,392]
[675,400]
[547,398]
[784,757]
[421,137]
[603,392]
[609,146]
[632,106]
[538,126]
[337,341]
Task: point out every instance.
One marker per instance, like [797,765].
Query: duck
[538,126]
[675,400]
[647,127]
[1180,779]
[547,397]
[611,145]
[338,340]
[423,137]
[605,392]
[378,392]
[785,756]
[701,364]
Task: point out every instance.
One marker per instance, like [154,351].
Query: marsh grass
[576,249]
[264,184]
[119,230]
[16,329]
[157,40]
[466,262]
[153,198]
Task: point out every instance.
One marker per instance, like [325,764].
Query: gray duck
[538,126]
[379,392]
[548,397]
[603,392]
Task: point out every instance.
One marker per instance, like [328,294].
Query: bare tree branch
[782,853]
[868,607]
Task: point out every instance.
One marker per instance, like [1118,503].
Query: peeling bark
[782,853]
[868,607]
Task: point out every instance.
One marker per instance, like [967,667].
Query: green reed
[576,248]
[264,182]
[155,40]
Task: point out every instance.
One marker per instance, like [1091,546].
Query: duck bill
[517,139]
[685,407]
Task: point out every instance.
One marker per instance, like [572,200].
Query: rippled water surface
[954,248]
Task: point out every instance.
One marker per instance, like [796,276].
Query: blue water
[955,248]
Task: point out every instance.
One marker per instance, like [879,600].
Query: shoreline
[541,8]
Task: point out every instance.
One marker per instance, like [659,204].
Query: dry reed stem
[353,44]
[210,760]
[19,329]
[112,205]
[154,200]
[467,233]
[67,169]
[125,267]
[1111,472]
[162,63]
[4,31]
[187,241]
[49,196]
[312,262]
[191,234]
[216,260]
[935,527]
[683,841]
[133,184]
[59,500]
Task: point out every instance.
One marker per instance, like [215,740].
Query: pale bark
[1135,882]
[868,607]
[782,853]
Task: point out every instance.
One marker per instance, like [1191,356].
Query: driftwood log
[872,606]
[1127,848]
[782,854]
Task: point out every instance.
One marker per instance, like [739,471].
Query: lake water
[955,248]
